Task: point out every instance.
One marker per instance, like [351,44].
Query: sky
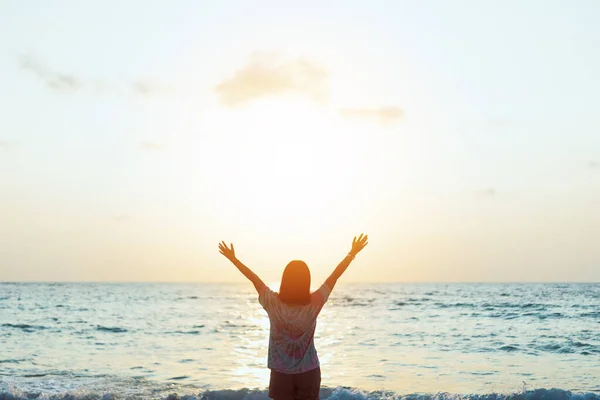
[463,137]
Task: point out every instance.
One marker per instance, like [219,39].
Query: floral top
[291,345]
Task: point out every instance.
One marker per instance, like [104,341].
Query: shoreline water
[339,393]
[424,338]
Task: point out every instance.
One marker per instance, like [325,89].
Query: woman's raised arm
[357,246]
[229,252]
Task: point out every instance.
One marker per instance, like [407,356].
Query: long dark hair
[295,283]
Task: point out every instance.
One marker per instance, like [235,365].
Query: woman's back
[291,344]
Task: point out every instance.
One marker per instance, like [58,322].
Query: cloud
[58,81]
[266,75]
[152,146]
[3,143]
[383,115]
[487,192]
[63,82]
[593,164]
[148,87]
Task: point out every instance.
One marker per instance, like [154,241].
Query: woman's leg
[281,386]
[307,385]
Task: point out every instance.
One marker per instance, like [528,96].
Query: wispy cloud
[487,192]
[55,80]
[3,143]
[149,87]
[593,164]
[265,74]
[383,115]
[67,82]
[152,146]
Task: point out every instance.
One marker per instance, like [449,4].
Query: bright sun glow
[291,167]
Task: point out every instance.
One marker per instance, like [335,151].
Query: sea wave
[114,329]
[24,327]
[339,393]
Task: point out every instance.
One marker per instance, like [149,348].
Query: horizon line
[350,282]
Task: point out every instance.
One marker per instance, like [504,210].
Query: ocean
[209,341]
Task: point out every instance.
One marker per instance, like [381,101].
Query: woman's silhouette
[292,357]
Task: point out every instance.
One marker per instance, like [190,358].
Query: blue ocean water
[209,341]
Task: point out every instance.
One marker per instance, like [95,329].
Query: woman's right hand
[228,252]
[359,244]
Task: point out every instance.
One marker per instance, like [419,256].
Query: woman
[292,357]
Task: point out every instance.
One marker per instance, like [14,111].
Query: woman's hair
[295,283]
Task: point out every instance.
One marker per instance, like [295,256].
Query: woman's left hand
[226,251]
[359,244]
